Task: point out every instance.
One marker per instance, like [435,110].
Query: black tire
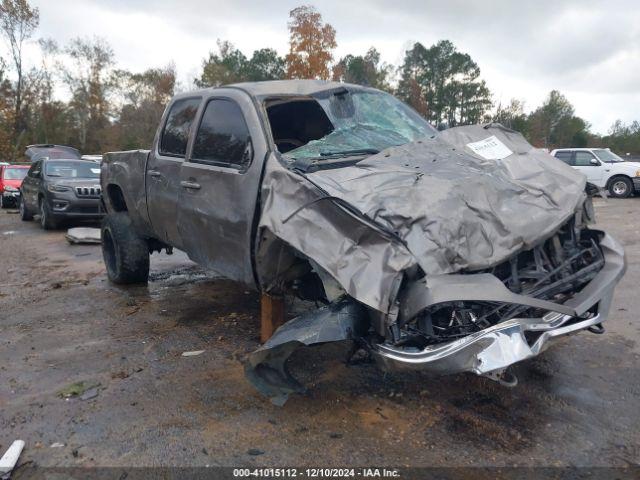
[25,215]
[47,222]
[620,187]
[125,253]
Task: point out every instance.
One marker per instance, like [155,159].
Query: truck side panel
[122,179]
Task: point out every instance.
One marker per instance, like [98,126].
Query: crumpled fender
[265,368]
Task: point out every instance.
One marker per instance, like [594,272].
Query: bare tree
[18,21]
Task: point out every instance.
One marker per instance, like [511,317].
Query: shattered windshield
[363,123]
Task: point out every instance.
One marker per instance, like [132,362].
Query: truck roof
[282,87]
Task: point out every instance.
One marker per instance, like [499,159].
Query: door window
[583,159]
[564,156]
[223,136]
[175,134]
[34,171]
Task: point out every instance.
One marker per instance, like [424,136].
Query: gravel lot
[61,322]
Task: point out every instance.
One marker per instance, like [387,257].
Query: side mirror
[595,162]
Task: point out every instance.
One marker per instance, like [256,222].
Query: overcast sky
[587,49]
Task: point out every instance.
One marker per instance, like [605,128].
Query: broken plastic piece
[266,369]
[83,235]
[10,457]
[194,353]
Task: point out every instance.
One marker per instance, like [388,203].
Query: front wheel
[25,216]
[125,253]
[620,187]
[47,221]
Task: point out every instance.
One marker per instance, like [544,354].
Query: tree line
[108,108]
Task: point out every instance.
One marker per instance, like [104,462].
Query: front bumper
[636,184]
[496,348]
[68,205]
[9,197]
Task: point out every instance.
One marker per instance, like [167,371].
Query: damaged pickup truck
[465,250]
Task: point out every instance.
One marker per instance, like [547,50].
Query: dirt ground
[61,322]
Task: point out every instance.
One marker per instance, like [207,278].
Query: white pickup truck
[603,168]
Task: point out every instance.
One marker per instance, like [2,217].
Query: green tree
[363,70]
[554,124]
[265,64]
[222,68]
[230,65]
[449,84]
[18,21]
[512,116]
[144,98]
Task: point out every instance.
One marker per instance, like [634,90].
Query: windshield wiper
[357,151]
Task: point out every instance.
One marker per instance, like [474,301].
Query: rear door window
[564,156]
[175,134]
[223,136]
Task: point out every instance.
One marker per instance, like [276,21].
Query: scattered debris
[83,235]
[335,435]
[56,445]
[194,353]
[9,232]
[255,452]
[89,394]
[10,457]
[77,389]
[12,211]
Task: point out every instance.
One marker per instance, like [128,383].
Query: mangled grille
[554,270]
[88,191]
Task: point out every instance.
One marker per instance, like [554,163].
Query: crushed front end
[483,322]
[466,250]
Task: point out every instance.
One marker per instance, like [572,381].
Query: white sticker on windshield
[95,170]
[490,148]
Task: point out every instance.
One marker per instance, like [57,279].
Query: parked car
[603,168]
[440,251]
[61,189]
[11,177]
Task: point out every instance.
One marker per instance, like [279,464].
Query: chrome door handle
[190,185]
[155,173]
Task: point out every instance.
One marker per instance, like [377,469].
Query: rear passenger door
[220,182]
[162,177]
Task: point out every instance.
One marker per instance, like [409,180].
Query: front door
[31,185]
[219,186]
[588,164]
[163,169]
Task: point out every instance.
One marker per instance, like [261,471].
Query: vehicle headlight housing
[58,188]
[637,173]
[10,189]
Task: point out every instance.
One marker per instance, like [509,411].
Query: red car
[11,177]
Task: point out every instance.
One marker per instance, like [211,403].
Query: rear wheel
[125,253]
[25,216]
[620,187]
[47,221]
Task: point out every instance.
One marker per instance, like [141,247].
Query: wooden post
[271,315]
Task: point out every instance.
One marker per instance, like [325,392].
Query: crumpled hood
[455,209]
[439,203]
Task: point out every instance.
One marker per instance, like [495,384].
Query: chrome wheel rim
[43,219]
[619,187]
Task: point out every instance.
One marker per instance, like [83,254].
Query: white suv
[603,168]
